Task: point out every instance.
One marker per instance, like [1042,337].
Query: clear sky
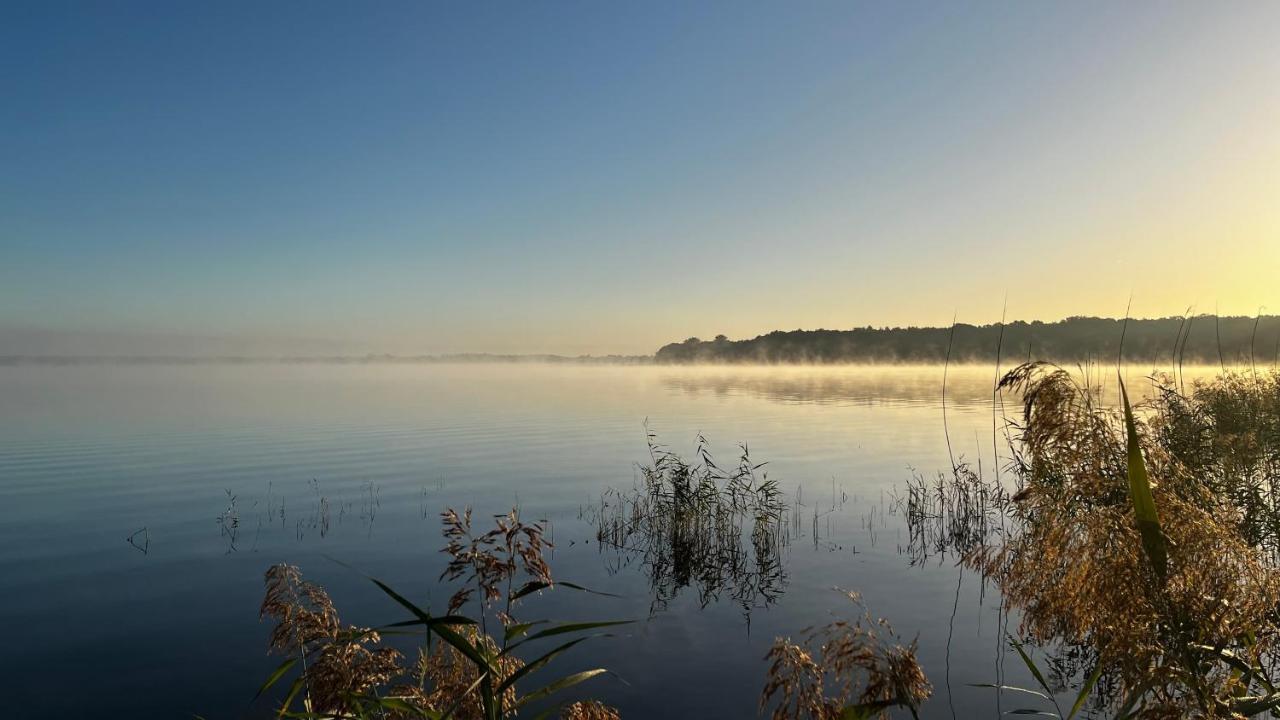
[606,177]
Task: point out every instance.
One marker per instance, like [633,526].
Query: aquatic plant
[1138,546]
[1226,432]
[1121,547]
[953,513]
[461,671]
[340,664]
[697,524]
[844,669]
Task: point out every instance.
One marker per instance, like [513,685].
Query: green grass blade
[1031,665]
[435,620]
[580,588]
[275,676]
[1250,706]
[1035,672]
[294,689]
[442,629]
[1246,670]
[534,586]
[534,665]
[567,628]
[1012,688]
[1144,504]
[1084,691]
[406,708]
[515,630]
[554,687]
[529,588]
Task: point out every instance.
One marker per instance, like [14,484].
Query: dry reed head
[843,663]
[444,675]
[491,560]
[589,710]
[304,615]
[349,668]
[796,679]
[340,661]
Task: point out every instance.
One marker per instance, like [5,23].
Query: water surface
[231,468]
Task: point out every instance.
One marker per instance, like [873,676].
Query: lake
[142,504]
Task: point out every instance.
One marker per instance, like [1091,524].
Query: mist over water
[143,503]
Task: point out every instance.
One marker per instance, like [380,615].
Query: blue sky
[560,177]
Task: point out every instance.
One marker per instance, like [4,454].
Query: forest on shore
[1199,339]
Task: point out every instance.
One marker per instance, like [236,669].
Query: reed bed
[1144,539]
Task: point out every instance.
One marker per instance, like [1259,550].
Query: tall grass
[954,513]
[1122,547]
[695,524]
[1227,433]
[461,672]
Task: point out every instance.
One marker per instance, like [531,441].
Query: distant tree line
[1201,339]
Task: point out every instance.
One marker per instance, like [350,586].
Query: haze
[600,178]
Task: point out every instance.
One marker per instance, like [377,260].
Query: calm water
[227,469]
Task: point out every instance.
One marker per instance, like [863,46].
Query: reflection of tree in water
[871,385]
[697,525]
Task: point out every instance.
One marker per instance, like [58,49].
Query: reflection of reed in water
[317,515]
[698,525]
[952,514]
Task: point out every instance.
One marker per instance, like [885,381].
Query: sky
[319,177]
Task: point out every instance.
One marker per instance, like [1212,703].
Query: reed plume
[846,668]
[339,663]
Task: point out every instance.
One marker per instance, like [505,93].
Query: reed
[1151,562]
[697,524]
[845,669]
[461,672]
[953,513]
